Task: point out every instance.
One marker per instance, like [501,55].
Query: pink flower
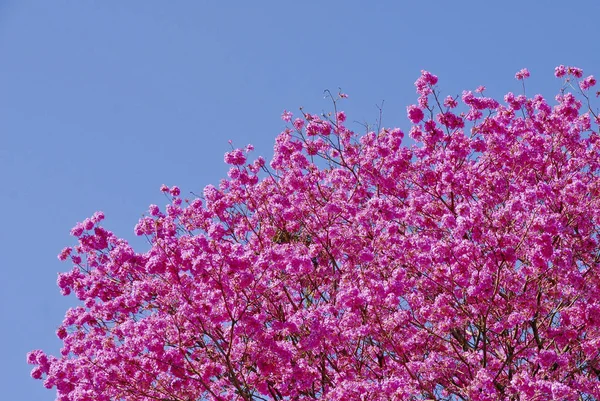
[480,89]
[560,71]
[523,74]
[286,116]
[298,124]
[450,102]
[236,157]
[587,83]
[415,114]
[33,356]
[576,72]
[77,230]
[64,254]
[36,373]
[61,333]
[429,78]
[450,120]
[154,210]
[88,224]
[425,82]
[97,217]
[174,190]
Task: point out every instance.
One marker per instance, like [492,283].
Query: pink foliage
[465,266]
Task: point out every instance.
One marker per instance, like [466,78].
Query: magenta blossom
[415,114]
[523,74]
[460,263]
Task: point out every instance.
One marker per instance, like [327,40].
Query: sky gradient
[101,102]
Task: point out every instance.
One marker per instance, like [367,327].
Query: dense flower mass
[462,266]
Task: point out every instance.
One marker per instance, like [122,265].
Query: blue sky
[101,102]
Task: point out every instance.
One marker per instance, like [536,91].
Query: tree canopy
[464,265]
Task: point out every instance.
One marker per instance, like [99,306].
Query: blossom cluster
[464,265]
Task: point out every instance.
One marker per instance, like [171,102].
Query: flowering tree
[463,267]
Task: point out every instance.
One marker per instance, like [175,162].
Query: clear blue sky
[101,102]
